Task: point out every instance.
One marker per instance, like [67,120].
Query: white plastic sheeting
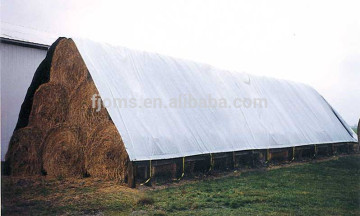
[295,114]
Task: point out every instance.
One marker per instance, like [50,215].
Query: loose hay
[68,67]
[50,106]
[106,156]
[63,154]
[23,156]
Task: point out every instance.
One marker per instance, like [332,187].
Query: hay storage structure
[148,119]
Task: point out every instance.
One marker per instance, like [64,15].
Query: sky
[313,42]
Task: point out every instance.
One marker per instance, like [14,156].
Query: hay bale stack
[50,106]
[68,68]
[81,110]
[63,154]
[106,156]
[71,138]
[23,156]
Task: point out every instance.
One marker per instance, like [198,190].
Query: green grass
[318,188]
[327,188]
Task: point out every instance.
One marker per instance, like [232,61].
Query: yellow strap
[211,162]
[183,168]
[267,155]
[293,154]
[149,176]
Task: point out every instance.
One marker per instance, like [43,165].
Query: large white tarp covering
[294,114]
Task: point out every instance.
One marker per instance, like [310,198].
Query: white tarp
[295,114]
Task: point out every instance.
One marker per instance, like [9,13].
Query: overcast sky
[314,42]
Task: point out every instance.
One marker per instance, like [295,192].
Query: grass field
[321,187]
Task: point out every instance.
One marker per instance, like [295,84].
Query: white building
[21,52]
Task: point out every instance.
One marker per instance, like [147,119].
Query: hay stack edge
[60,134]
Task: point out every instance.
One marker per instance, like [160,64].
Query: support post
[183,169]
[315,151]
[211,162]
[173,170]
[234,160]
[252,158]
[268,155]
[148,181]
[131,173]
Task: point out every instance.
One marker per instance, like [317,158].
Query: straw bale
[68,67]
[23,156]
[63,152]
[106,156]
[50,106]
[81,110]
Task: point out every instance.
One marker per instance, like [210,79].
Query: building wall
[17,65]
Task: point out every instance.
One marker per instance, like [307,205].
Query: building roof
[23,36]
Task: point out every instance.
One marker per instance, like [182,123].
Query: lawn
[324,187]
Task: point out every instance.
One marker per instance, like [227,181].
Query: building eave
[24,43]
